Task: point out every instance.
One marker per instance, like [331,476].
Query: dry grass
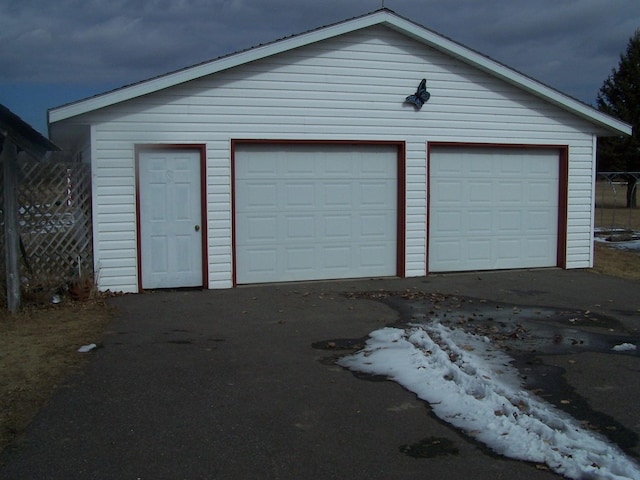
[38,350]
[615,262]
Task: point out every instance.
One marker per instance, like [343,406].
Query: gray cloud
[571,45]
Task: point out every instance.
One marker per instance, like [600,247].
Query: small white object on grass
[87,348]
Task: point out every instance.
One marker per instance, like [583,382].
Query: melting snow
[473,386]
[624,347]
[630,245]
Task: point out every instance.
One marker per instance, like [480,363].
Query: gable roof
[383,17]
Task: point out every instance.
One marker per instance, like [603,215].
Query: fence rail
[54,218]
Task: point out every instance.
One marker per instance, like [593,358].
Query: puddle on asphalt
[430,447]
[526,333]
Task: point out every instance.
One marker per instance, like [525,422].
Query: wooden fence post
[9,158]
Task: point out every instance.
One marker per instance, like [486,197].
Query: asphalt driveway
[226,384]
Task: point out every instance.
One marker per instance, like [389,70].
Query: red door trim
[401,189]
[563,188]
[202,148]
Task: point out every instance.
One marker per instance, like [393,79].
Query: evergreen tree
[619,96]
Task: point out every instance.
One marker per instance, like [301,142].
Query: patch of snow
[633,245]
[624,347]
[474,387]
[630,245]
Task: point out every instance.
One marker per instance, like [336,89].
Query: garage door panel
[374,256]
[480,250]
[376,194]
[478,191]
[447,250]
[376,163]
[479,222]
[507,167]
[337,194]
[509,193]
[375,226]
[508,249]
[542,192]
[298,227]
[260,260]
[336,258]
[298,168]
[260,229]
[500,216]
[335,209]
[509,222]
[337,167]
[449,190]
[538,222]
[338,227]
[300,259]
[262,196]
[298,195]
[449,223]
[538,247]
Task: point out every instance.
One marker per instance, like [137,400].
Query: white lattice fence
[54,199]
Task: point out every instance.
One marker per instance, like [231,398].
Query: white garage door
[309,212]
[493,208]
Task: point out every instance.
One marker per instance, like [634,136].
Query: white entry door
[170,218]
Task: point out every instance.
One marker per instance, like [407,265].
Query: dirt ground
[39,346]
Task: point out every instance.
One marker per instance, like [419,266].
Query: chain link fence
[614,218]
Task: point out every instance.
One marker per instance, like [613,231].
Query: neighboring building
[301,160]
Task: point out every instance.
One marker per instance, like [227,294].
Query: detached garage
[343,164]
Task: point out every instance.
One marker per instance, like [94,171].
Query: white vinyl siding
[350,87]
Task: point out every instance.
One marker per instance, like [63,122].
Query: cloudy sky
[56,52]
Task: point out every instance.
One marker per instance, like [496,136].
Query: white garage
[312,160]
[315,211]
[494,208]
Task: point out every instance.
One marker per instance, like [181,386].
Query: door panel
[170,218]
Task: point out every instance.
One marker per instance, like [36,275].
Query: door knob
[197,228]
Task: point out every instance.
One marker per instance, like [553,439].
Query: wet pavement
[242,383]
